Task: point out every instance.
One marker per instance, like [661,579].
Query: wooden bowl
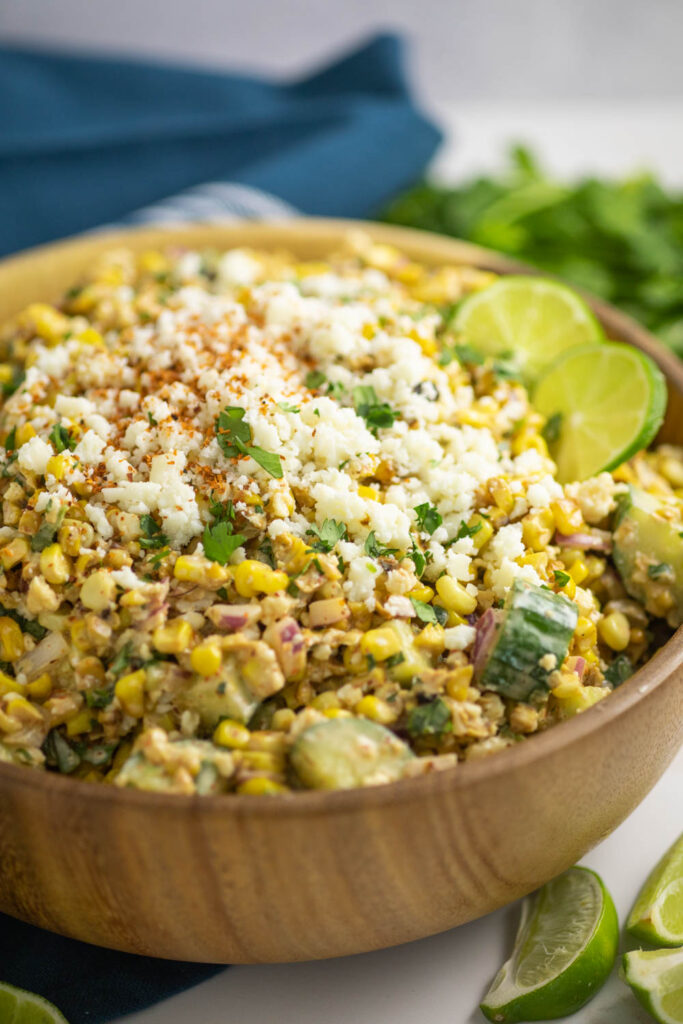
[311,875]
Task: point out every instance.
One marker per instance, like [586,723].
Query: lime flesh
[656,978]
[20,1007]
[532,318]
[564,951]
[608,402]
[657,914]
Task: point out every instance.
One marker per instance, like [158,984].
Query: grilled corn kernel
[29,521]
[421,593]
[371,493]
[581,699]
[355,661]
[40,688]
[91,337]
[260,785]
[24,433]
[454,596]
[206,659]
[458,682]
[377,710]
[58,465]
[586,629]
[193,569]
[173,637]
[567,516]
[527,439]
[568,588]
[54,564]
[538,528]
[483,533]
[431,638]
[596,567]
[615,630]
[283,719]
[579,571]
[9,685]
[231,734]
[14,552]
[22,708]
[252,672]
[79,635]
[69,537]
[11,639]
[79,723]
[326,700]
[502,495]
[263,761]
[99,591]
[130,691]
[252,578]
[381,643]
[48,323]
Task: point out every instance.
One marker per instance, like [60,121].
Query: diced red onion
[577,665]
[486,628]
[233,616]
[287,641]
[593,540]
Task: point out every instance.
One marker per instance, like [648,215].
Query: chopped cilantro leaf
[620,670]
[11,440]
[222,510]
[153,537]
[61,438]
[376,550]
[47,531]
[375,413]
[661,569]
[561,578]
[220,542]
[122,659]
[552,429]
[429,613]
[314,379]
[152,421]
[18,378]
[418,559]
[428,517]
[327,535]
[433,719]
[99,698]
[464,355]
[267,460]
[234,438]
[286,407]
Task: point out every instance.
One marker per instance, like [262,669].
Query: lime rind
[612,400]
[17,1006]
[656,979]
[535,318]
[568,936]
[657,914]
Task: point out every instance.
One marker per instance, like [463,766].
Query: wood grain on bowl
[300,876]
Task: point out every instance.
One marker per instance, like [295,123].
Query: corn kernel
[252,578]
[484,532]
[371,493]
[585,629]
[130,691]
[173,637]
[615,630]
[538,528]
[421,593]
[569,588]
[58,465]
[567,516]
[263,761]
[192,569]
[79,723]
[152,262]
[354,660]
[11,639]
[381,643]
[206,659]
[323,701]
[22,707]
[91,337]
[260,786]
[452,618]
[54,564]
[14,552]
[431,638]
[501,494]
[581,699]
[283,719]
[6,373]
[9,685]
[79,635]
[579,571]
[40,688]
[458,682]
[24,433]
[375,709]
[527,439]
[48,323]
[454,596]
[231,734]
[595,566]
[98,591]
[336,713]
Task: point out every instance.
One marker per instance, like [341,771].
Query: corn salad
[262,521]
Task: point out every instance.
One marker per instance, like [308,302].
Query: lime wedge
[656,978]
[564,951]
[533,319]
[657,914]
[604,402]
[20,1007]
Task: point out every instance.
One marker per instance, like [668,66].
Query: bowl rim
[311,803]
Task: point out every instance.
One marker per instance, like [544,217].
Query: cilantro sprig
[220,543]
[376,550]
[433,719]
[429,518]
[429,613]
[153,537]
[234,438]
[326,535]
[376,414]
[61,438]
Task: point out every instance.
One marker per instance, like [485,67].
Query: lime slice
[604,403]
[20,1007]
[657,914]
[564,951]
[656,978]
[533,319]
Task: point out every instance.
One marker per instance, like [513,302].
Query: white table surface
[442,979]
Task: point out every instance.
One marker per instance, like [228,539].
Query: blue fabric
[85,141]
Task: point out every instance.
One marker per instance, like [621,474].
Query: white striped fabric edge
[214,201]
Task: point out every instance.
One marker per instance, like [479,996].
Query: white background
[593,85]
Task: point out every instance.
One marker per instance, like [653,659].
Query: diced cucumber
[530,642]
[648,553]
[225,697]
[342,753]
